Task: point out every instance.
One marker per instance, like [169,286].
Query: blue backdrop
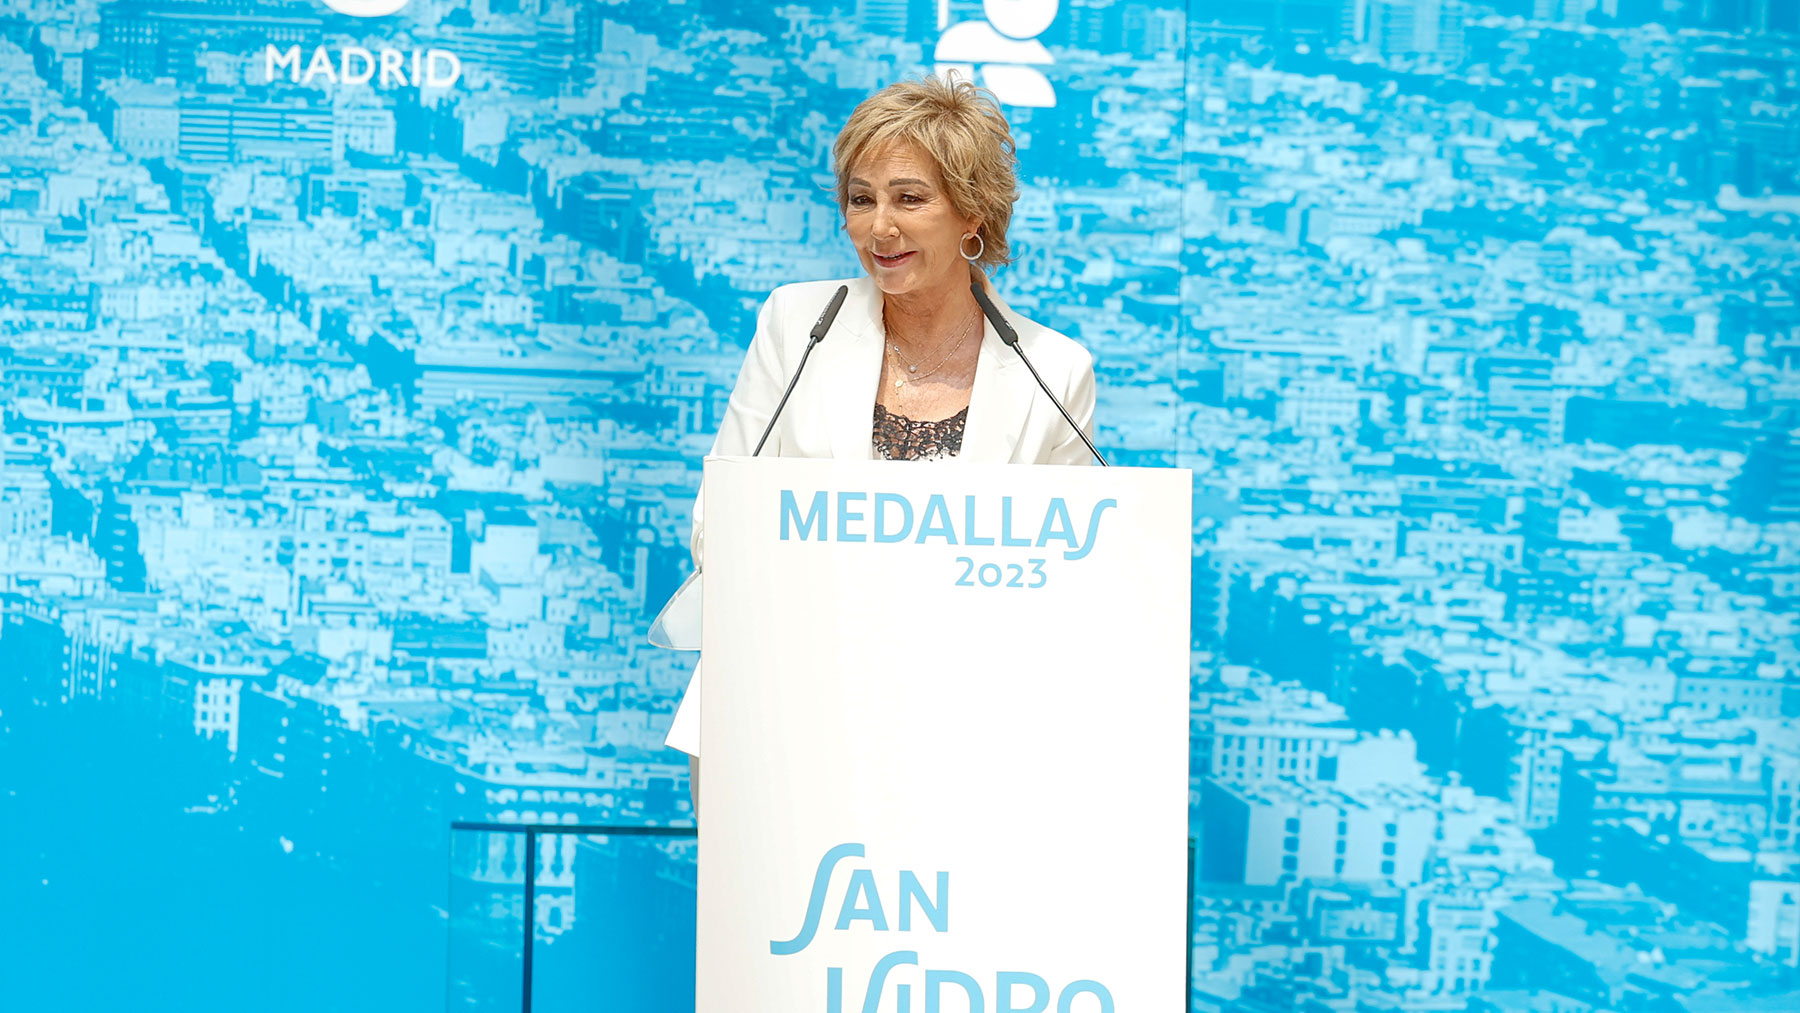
[357,358]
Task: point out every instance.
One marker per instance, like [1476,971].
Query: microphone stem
[1059,407]
[826,319]
[1011,337]
[810,345]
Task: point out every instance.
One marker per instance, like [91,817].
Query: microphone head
[992,312]
[830,314]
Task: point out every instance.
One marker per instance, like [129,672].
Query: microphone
[818,335]
[1011,337]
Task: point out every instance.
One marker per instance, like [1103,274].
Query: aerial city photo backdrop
[357,360]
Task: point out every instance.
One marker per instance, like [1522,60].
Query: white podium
[945,733]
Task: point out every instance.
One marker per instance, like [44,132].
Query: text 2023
[1027,575]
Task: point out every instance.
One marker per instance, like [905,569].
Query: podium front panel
[944,733]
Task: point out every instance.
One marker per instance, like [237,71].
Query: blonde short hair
[956,125]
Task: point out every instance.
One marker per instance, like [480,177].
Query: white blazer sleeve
[1079,396]
[753,400]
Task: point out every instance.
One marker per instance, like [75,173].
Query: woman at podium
[911,368]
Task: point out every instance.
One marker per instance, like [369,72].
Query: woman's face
[906,233]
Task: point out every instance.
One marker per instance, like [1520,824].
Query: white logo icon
[1005,46]
[365,8]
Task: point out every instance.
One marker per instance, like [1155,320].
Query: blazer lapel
[998,399]
[852,371]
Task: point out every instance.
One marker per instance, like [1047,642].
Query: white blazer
[832,411]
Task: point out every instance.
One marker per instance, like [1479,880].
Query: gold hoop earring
[979,250]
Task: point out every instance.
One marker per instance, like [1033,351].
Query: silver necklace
[912,370]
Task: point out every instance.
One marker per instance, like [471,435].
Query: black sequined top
[898,438]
